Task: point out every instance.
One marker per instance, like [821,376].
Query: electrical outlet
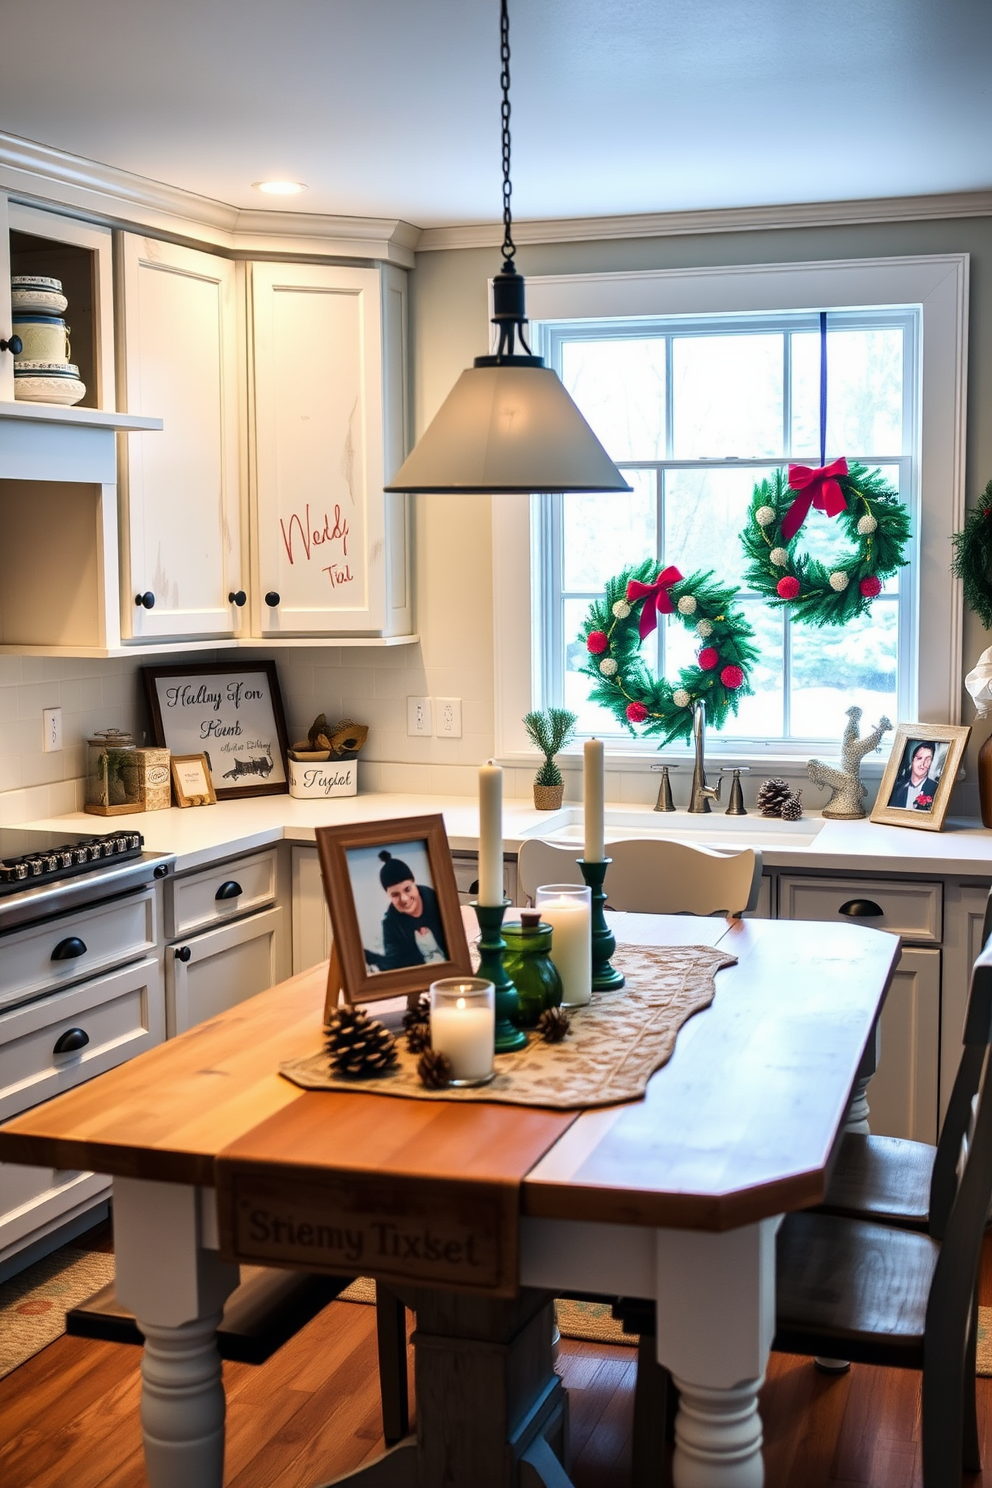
[51,739]
[449,717]
[419,721]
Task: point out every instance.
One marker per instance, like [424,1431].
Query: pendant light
[508,425]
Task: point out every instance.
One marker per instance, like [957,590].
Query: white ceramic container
[320,780]
[48,382]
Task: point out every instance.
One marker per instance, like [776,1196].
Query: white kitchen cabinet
[311,920]
[183,560]
[206,974]
[331,548]
[902,1094]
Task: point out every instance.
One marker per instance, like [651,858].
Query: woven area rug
[613,1048]
[983,1364]
[33,1305]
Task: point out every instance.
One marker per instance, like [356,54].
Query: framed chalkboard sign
[232,714]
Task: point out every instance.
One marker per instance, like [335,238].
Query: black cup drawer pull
[230,890]
[183,953]
[68,950]
[71,1040]
[861,909]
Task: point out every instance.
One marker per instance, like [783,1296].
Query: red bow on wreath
[657,599]
[817,488]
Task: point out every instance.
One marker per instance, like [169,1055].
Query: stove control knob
[162,870]
[183,953]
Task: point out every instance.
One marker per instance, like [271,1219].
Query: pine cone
[419,1013]
[357,1044]
[418,1037]
[434,1069]
[792,808]
[553,1025]
[772,796]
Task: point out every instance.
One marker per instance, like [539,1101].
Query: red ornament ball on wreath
[597,641]
[636,712]
[732,677]
[788,588]
[870,586]
[708,658]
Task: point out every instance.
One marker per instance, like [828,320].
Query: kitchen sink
[714,830]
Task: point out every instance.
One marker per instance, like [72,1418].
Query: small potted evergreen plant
[549,731]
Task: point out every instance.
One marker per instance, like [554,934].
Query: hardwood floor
[69,1416]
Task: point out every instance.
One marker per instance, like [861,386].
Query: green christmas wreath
[616,625]
[869,511]
[972,560]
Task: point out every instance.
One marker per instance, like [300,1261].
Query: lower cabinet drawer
[195,901]
[73,946]
[209,973]
[912,910]
[99,1024]
[33,1200]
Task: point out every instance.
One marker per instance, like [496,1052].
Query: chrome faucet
[701,794]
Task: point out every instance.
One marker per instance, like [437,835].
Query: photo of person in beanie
[411,933]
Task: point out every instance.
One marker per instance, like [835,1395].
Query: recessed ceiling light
[279,188]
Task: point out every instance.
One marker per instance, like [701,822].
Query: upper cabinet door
[328,358]
[179,357]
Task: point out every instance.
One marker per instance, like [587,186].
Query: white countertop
[204,834]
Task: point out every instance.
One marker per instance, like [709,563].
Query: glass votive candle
[463,1027]
[568,909]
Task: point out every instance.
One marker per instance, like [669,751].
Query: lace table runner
[614,1046]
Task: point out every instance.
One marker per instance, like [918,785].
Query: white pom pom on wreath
[866,524]
[681,698]
[839,580]
[779,556]
[704,629]
[621,609]
[608,667]
[765,516]
[686,605]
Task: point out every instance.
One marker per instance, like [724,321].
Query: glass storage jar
[530,967]
[113,779]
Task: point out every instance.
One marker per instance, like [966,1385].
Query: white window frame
[935,284]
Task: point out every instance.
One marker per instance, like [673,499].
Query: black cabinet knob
[272,599]
[14,345]
[861,909]
[183,953]
[229,890]
[146,600]
[237,597]
[69,949]
[71,1040]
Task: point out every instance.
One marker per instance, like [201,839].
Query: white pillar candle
[490,834]
[594,797]
[463,1026]
[569,911]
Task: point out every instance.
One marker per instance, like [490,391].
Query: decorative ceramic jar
[530,967]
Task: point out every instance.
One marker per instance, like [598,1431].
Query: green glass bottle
[530,967]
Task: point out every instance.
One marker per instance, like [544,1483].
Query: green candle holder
[605,978]
[492,948]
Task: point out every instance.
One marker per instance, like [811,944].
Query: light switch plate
[419,722]
[449,717]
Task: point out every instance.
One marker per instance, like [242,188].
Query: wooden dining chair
[877,1294]
[652,875]
[894,1181]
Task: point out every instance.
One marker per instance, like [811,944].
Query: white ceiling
[390,108]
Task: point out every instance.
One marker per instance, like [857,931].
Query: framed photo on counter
[230,713]
[920,774]
[191,783]
[390,888]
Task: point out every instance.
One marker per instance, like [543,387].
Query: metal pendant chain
[509,247]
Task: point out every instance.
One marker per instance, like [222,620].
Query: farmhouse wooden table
[478,1213]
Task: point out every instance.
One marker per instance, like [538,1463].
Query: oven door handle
[69,949]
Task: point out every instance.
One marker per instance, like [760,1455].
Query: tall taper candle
[490,834]
[594,796]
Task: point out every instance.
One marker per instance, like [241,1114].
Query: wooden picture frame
[908,799]
[383,931]
[228,711]
[191,783]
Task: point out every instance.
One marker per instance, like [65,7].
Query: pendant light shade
[508,425]
[504,429]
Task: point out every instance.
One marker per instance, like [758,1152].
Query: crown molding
[716,220]
[45,176]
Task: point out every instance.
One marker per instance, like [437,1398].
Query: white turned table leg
[176,1288]
[715,1295]
[718,1437]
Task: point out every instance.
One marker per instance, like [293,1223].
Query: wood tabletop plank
[742,1121]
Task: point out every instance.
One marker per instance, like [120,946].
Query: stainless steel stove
[43,873]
